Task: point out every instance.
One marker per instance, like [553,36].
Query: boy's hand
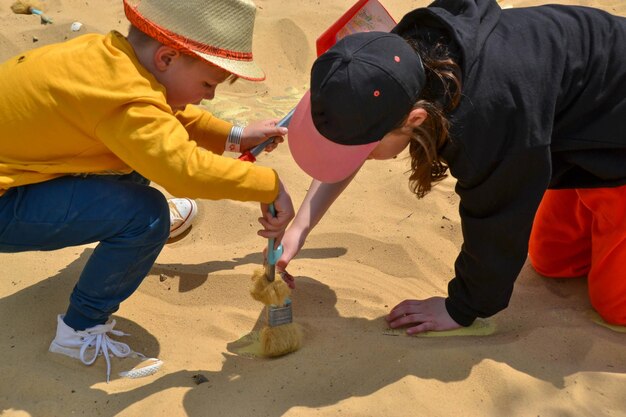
[274,226]
[258,132]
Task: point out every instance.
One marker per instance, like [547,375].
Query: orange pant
[582,232]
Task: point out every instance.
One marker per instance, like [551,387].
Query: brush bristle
[275,292]
[24,7]
[281,340]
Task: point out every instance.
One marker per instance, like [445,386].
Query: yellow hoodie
[87,106]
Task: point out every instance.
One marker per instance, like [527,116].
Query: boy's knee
[155,212]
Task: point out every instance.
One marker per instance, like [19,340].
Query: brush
[281,335]
[264,288]
[30,7]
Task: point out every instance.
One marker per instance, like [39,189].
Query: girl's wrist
[301,227]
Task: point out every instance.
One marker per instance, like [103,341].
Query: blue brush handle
[284,122]
[273,255]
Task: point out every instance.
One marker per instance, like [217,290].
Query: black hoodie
[544,106]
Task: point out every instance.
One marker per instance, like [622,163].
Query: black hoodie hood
[468,22]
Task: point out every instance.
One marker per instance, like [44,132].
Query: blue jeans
[129,219]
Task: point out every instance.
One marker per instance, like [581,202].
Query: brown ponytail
[441,94]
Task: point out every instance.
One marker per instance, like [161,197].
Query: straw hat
[218,31]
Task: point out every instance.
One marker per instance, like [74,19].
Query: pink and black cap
[361,89]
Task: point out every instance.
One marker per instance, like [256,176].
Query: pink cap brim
[322,159]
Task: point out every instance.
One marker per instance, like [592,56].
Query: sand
[545,355]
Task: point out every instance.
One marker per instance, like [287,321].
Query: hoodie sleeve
[496,219]
[502,162]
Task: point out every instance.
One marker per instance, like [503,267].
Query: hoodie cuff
[458,316]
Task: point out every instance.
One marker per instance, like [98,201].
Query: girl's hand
[422,315]
[292,242]
[288,278]
[258,132]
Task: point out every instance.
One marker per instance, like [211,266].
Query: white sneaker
[182,213]
[86,345]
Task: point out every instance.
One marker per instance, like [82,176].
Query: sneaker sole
[145,368]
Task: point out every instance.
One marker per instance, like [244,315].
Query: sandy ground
[377,246]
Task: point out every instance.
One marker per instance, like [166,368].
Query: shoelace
[174,213]
[104,344]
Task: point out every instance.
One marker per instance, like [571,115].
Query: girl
[527,110]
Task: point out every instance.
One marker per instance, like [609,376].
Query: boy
[82,138]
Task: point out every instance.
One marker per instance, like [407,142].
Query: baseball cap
[361,89]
